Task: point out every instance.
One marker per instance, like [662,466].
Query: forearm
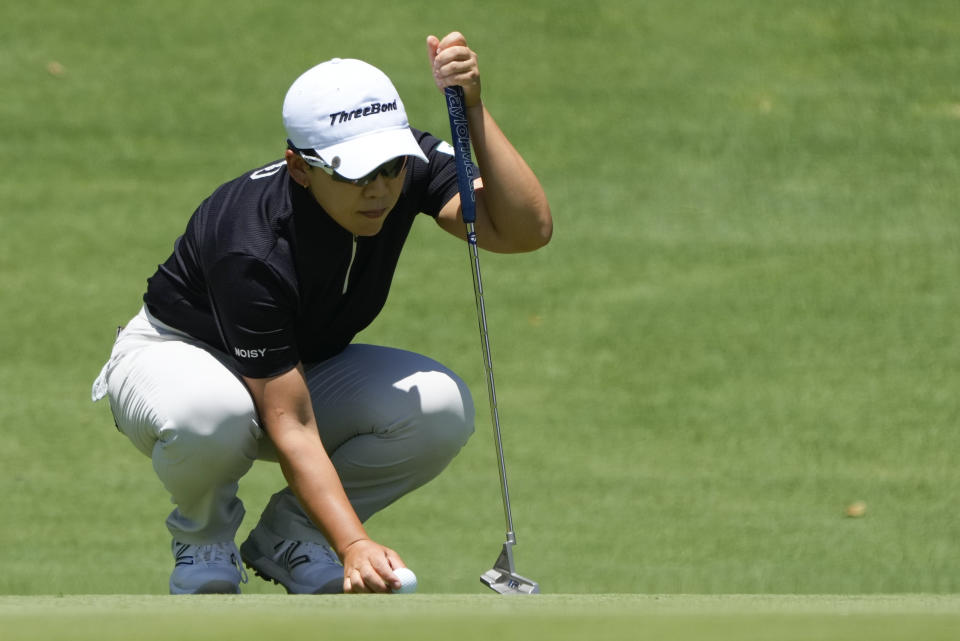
[285,409]
[283,403]
[512,197]
[313,479]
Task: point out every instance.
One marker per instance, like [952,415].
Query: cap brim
[361,155]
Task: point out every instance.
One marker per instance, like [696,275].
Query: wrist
[342,550]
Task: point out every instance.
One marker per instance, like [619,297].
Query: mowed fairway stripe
[468,617]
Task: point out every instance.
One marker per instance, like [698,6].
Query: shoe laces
[220,553]
[294,553]
[324,551]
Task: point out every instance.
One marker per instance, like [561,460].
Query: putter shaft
[503,577]
[491,386]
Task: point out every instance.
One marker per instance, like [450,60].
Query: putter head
[508,582]
[503,579]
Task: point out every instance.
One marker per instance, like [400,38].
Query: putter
[502,577]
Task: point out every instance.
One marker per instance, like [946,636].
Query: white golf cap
[348,113]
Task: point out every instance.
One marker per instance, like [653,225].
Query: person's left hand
[454,63]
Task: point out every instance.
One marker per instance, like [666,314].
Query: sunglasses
[390,169]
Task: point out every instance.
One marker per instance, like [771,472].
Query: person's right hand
[454,63]
[368,567]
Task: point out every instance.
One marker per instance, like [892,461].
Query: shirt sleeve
[439,175]
[254,309]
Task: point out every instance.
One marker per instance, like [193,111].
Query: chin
[368,230]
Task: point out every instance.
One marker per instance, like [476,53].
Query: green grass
[422,617]
[747,318]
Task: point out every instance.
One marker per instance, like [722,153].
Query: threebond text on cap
[349,114]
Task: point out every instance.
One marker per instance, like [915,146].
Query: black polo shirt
[265,275]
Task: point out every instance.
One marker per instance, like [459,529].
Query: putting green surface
[554,617]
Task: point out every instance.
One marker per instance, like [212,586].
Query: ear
[297,168]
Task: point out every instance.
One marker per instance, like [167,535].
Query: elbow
[532,230]
[546,229]
[536,230]
[543,231]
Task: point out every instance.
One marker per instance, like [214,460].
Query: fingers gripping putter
[502,578]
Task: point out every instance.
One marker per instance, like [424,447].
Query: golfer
[243,348]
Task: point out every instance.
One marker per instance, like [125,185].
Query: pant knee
[447,419]
[215,444]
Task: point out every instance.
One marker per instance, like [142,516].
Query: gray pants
[390,420]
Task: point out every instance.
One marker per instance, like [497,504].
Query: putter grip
[466,170]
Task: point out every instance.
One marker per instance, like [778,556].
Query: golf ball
[408,581]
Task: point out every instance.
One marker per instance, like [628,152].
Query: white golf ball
[408,581]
